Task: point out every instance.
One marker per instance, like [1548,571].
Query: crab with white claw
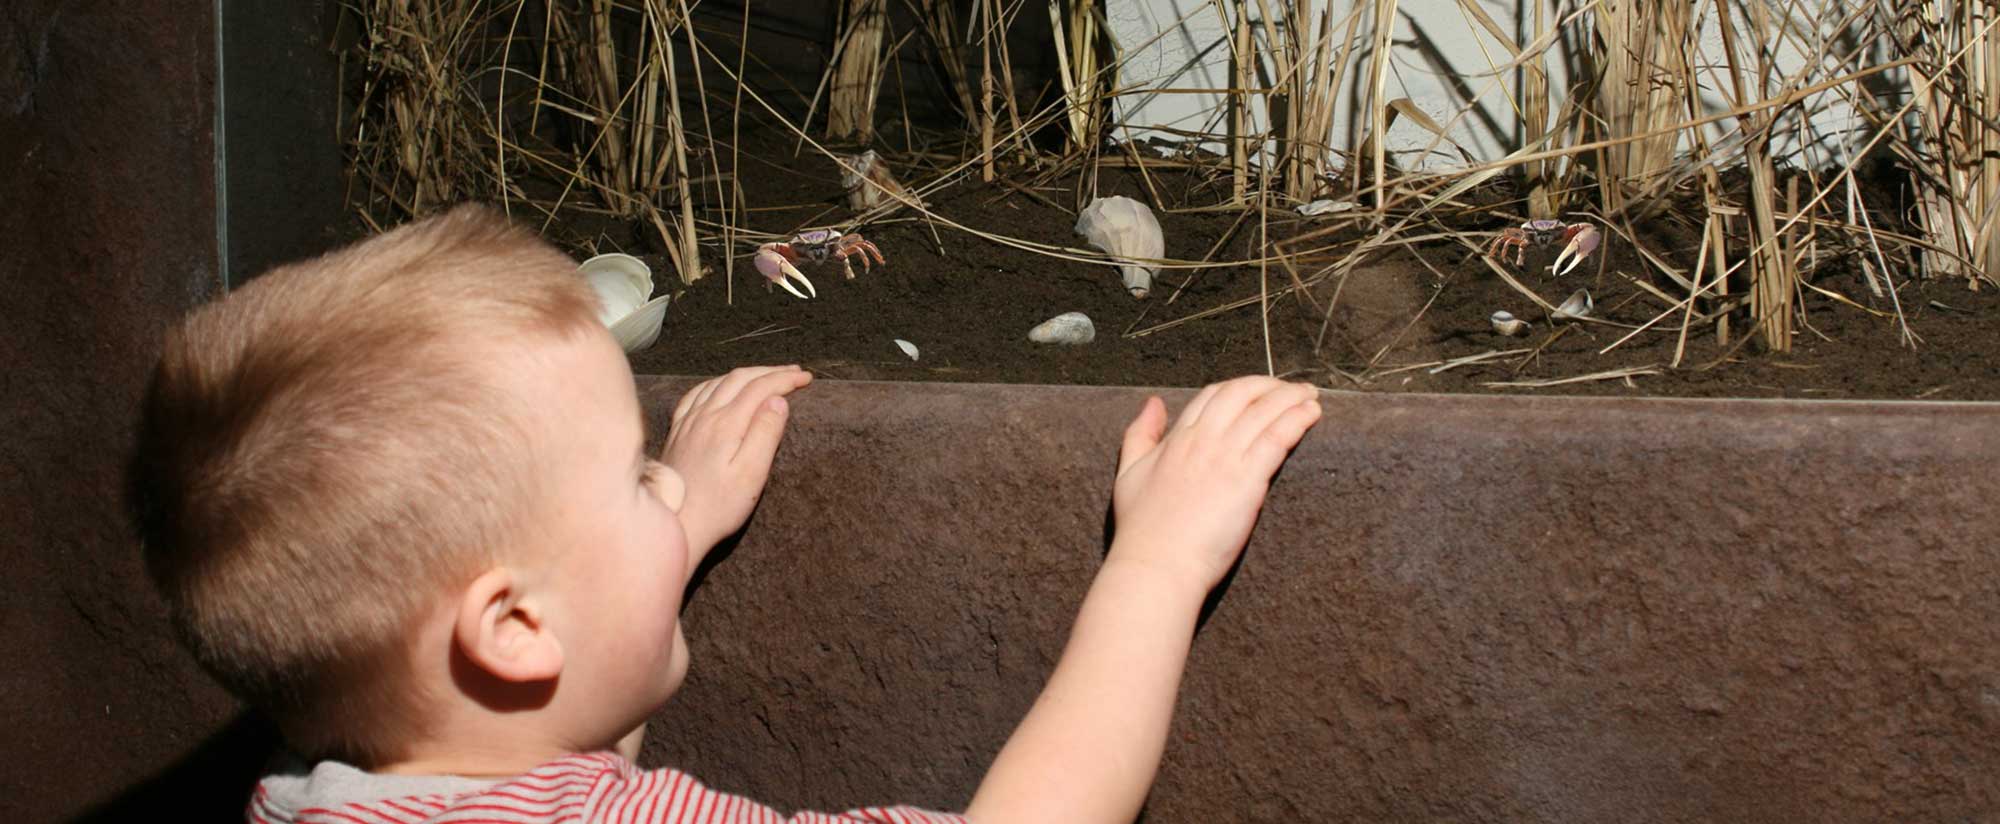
[778,261]
[1579,240]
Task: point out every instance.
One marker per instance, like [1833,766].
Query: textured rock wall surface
[107,210]
[1454,608]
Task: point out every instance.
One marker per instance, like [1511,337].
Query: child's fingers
[1226,400]
[1193,410]
[1277,440]
[689,398]
[732,384]
[767,427]
[719,391]
[1143,433]
[749,404]
[1263,409]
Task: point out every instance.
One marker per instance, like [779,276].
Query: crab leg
[1582,241]
[776,268]
[857,248]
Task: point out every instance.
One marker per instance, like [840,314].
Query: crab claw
[1582,241]
[776,269]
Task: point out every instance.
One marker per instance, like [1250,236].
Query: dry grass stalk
[1384,22]
[1240,59]
[415,127]
[1608,375]
[985,92]
[1646,83]
[1306,76]
[1546,178]
[1957,141]
[627,147]
[1773,280]
[1088,77]
[682,244]
[1535,115]
[857,71]
[633,144]
[941,26]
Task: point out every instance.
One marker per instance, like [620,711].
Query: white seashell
[907,347]
[622,283]
[1068,327]
[1506,324]
[1579,305]
[1125,228]
[1320,207]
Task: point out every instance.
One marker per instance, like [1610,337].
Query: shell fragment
[907,347]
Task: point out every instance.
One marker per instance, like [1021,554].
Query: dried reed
[1956,145]
[857,71]
[1085,67]
[1644,86]
[414,125]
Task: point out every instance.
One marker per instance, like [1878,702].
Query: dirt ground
[967,303]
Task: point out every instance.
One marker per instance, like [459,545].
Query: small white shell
[907,347]
[1506,324]
[1579,305]
[1068,327]
[622,283]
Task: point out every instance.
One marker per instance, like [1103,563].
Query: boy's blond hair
[326,452]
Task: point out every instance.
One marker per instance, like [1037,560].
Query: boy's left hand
[725,433]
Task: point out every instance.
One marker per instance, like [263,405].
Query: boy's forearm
[1089,748]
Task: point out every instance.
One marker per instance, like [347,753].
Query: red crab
[777,261]
[1579,239]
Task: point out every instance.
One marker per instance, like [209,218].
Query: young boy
[397,498]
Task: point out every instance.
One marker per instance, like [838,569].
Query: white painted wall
[1443,60]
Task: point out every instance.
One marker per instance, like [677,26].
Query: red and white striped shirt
[594,787]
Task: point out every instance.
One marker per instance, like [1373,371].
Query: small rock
[1068,328]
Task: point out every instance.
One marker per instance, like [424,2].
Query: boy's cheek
[677,661]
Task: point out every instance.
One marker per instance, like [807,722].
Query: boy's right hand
[1186,498]
[724,436]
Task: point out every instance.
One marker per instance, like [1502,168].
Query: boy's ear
[505,634]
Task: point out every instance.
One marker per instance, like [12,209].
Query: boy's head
[406,473]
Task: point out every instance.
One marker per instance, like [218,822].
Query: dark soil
[968,303]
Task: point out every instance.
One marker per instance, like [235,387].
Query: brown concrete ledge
[1455,608]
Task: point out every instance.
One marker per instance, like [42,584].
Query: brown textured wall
[107,211]
[1455,608]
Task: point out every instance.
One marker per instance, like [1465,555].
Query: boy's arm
[1089,747]
[725,433]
